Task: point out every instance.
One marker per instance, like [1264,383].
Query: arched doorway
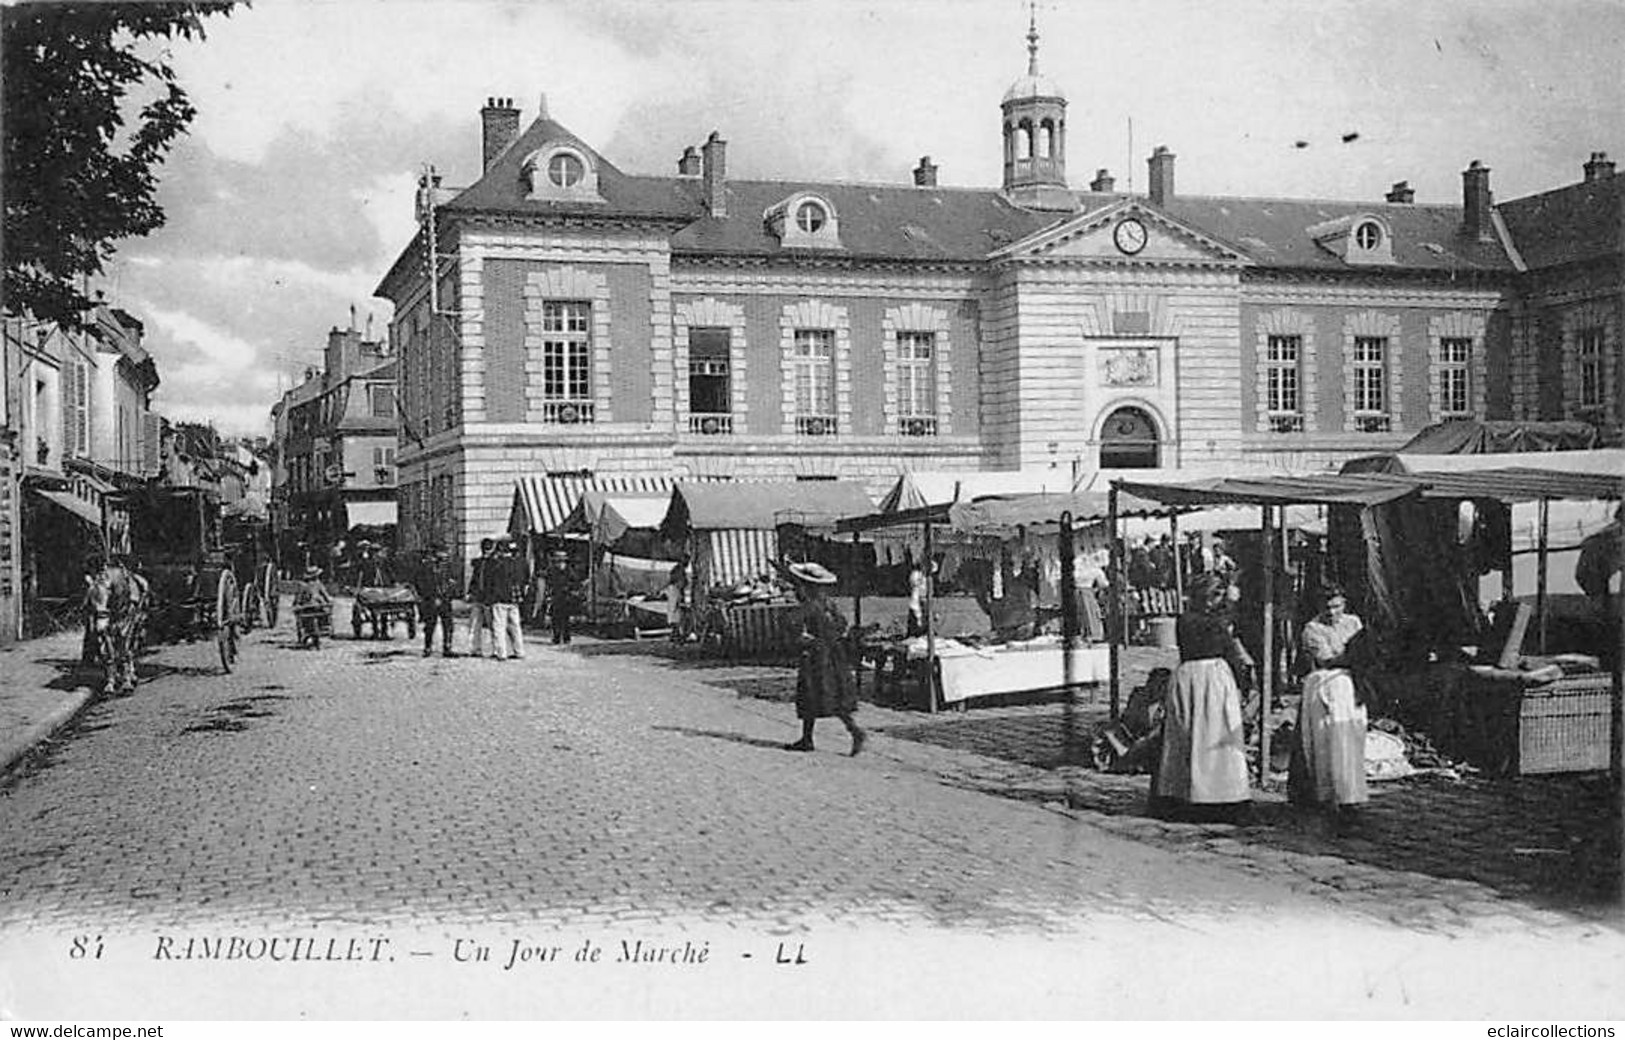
[1128,440]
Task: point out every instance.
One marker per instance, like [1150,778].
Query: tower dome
[1034,111]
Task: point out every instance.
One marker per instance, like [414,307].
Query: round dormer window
[1368,235]
[810,216]
[565,170]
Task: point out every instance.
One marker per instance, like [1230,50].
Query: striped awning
[541,504]
[735,555]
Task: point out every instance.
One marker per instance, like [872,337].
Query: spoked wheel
[268,595]
[250,609]
[226,620]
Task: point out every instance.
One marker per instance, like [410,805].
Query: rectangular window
[1370,384]
[815,384]
[709,382]
[567,361]
[1591,370]
[916,384]
[383,402]
[1455,379]
[1282,382]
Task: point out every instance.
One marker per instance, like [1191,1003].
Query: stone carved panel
[1128,366]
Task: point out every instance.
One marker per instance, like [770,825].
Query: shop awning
[938,488]
[732,556]
[542,504]
[1520,484]
[607,517]
[1003,514]
[1327,489]
[74,504]
[370,513]
[763,506]
[1473,436]
[1608,462]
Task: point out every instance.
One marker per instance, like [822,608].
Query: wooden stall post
[1266,679]
[1179,558]
[1069,636]
[1540,572]
[1507,586]
[930,625]
[857,618]
[1119,630]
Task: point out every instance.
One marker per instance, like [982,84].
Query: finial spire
[1032,38]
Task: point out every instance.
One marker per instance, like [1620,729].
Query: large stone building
[581,318]
[334,446]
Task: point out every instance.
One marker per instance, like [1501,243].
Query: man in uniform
[479,606]
[560,595]
[436,588]
[506,585]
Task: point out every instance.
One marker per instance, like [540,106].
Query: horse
[116,601]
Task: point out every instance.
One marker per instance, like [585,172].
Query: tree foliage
[77,179]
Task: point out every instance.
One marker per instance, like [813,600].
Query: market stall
[1400,548]
[1020,555]
[729,534]
[628,565]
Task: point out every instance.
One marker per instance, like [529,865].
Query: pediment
[1095,236]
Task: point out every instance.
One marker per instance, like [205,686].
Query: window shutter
[149,444]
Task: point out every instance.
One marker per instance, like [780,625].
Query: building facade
[335,444]
[560,316]
[79,423]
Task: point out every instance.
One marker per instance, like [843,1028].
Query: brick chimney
[715,160]
[500,121]
[1401,192]
[1600,167]
[925,174]
[1161,179]
[689,164]
[1476,201]
[1103,183]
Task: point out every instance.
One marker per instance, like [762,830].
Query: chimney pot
[1161,178]
[689,164]
[1401,192]
[499,122]
[1476,201]
[1104,182]
[714,158]
[1600,167]
[925,174]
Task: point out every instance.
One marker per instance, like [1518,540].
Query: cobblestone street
[600,790]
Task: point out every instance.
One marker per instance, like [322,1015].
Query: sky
[293,193]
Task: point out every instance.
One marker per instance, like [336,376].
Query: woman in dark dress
[1203,769]
[824,685]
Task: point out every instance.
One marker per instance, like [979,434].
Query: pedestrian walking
[311,607]
[507,589]
[560,595]
[480,631]
[437,587]
[824,685]
[1328,764]
[1202,773]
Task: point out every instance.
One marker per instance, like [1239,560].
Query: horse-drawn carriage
[194,592]
[251,546]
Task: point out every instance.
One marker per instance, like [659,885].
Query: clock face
[1129,235]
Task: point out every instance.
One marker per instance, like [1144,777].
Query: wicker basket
[1563,726]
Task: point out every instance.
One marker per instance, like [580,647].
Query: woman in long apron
[1202,773]
[1329,769]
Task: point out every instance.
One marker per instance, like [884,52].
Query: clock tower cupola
[1034,111]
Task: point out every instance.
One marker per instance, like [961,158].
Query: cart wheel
[269,599]
[225,619]
[249,611]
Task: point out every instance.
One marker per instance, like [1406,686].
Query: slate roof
[1274,232]
[905,223]
[891,221]
[501,188]
[1567,225]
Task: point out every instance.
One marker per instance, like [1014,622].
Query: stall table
[752,629]
[967,673]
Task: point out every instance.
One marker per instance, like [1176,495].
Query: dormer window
[561,172]
[810,217]
[565,169]
[1358,239]
[804,222]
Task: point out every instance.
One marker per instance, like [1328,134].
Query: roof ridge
[1382,204]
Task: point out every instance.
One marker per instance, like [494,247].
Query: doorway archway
[1128,440]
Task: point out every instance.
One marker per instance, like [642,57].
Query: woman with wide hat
[1202,773]
[824,685]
